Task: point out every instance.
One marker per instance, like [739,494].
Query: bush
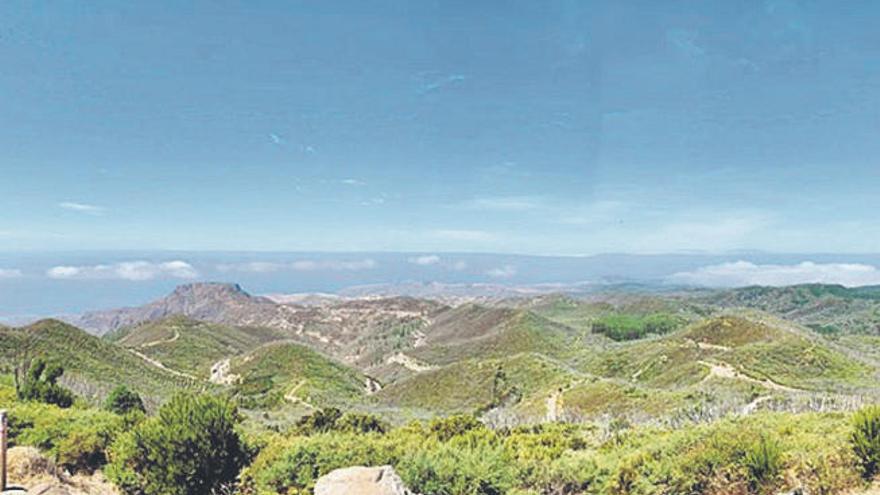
[123,401]
[190,448]
[763,462]
[318,422]
[78,439]
[85,449]
[459,456]
[293,465]
[360,423]
[865,439]
[447,469]
[446,428]
[39,383]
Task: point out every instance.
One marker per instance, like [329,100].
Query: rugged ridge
[210,301]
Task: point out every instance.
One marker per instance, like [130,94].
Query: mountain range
[649,356]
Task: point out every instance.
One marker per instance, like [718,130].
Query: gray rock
[381,480]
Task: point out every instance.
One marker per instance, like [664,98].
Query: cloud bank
[744,273]
[505,271]
[300,265]
[426,260]
[128,270]
[437,261]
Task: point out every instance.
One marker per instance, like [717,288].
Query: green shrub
[360,423]
[865,439]
[453,470]
[570,473]
[85,450]
[452,426]
[332,419]
[763,463]
[294,464]
[78,439]
[459,456]
[190,448]
[39,383]
[123,400]
[320,421]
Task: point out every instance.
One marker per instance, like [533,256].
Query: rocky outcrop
[381,480]
[30,470]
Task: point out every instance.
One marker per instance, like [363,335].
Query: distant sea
[33,286]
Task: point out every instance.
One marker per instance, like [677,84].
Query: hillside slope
[92,366]
[288,373]
[191,346]
[827,309]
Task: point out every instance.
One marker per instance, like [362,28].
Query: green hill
[191,346]
[92,366]
[828,309]
[520,384]
[581,314]
[742,348]
[284,372]
[477,332]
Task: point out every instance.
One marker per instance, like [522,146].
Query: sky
[559,127]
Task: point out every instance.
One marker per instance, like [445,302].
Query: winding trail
[409,363]
[724,370]
[161,366]
[166,341]
[292,397]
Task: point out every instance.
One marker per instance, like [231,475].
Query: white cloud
[127,270]
[505,271]
[434,260]
[334,265]
[252,267]
[431,259]
[275,138]
[300,265]
[353,182]
[10,273]
[81,207]
[459,265]
[744,273]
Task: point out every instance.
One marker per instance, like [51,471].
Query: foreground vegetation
[194,445]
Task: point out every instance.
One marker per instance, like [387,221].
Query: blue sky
[544,128]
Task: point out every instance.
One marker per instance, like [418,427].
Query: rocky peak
[212,290]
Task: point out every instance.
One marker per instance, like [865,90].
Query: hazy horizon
[34,285]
